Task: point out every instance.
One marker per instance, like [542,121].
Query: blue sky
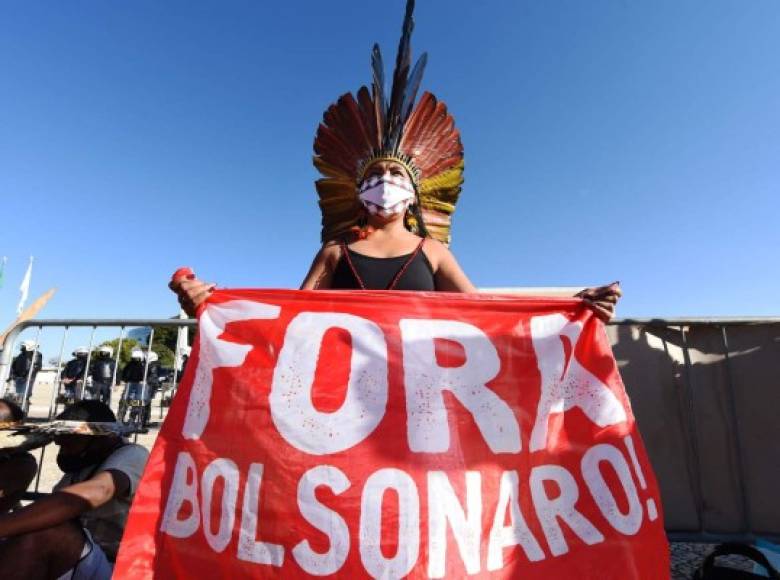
[605,140]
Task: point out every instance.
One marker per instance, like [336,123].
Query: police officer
[154,379]
[25,366]
[185,357]
[132,376]
[102,373]
[75,373]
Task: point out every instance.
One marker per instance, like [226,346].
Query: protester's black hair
[422,230]
[88,410]
[15,411]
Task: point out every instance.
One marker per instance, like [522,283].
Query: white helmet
[28,345]
[137,354]
[105,349]
[186,350]
[153,357]
[81,351]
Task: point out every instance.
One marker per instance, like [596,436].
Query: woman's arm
[191,292]
[448,274]
[320,274]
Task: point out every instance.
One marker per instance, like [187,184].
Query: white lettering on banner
[549,510]
[324,519]
[565,382]
[292,409]
[454,520]
[652,510]
[444,507]
[517,532]
[195,496]
[408,541]
[183,490]
[228,472]
[215,353]
[630,522]
[249,548]
[425,380]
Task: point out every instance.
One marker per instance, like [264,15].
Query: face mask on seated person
[91,455]
[386,195]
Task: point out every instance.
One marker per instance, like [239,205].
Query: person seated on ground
[17,468]
[24,369]
[76,530]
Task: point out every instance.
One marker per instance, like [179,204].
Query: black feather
[412,86]
[403,61]
[378,67]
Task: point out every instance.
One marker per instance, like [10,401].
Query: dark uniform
[102,373]
[75,371]
[132,376]
[20,371]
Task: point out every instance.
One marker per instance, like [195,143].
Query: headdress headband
[359,130]
[405,160]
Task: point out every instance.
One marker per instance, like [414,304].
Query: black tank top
[409,272]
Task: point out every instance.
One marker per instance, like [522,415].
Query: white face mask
[386,195]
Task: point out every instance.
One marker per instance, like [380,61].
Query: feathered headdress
[359,130]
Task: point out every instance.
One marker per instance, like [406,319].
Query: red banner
[392,434]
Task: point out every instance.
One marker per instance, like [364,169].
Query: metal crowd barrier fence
[706,395]
[121,325]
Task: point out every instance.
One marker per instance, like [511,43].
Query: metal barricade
[48,411]
[705,392]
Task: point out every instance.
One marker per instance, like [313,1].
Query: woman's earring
[362,230]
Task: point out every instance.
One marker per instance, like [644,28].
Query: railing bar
[6,358]
[40,468]
[128,322]
[175,382]
[56,387]
[143,383]
[86,368]
[116,363]
[25,402]
[146,364]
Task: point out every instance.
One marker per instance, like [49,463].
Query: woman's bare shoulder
[435,248]
[436,252]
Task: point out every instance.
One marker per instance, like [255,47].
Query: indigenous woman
[392,173]
[386,252]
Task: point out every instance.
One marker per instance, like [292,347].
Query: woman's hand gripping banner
[392,434]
